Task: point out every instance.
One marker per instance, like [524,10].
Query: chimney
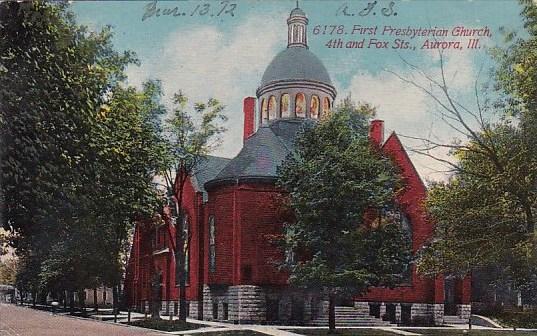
[376,132]
[249,117]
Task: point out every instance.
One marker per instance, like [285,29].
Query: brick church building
[231,208]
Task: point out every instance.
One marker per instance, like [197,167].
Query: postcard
[268,167]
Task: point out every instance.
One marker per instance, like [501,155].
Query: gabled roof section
[394,147]
[206,170]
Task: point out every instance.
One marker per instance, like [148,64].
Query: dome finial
[297,23]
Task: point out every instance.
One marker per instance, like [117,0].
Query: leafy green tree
[485,213]
[8,270]
[333,179]
[79,148]
[187,139]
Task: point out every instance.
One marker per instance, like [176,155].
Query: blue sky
[225,56]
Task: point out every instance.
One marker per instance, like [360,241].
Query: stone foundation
[246,304]
[438,313]
[464,311]
[421,314]
[255,304]
[194,309]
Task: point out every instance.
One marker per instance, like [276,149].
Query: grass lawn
[343,332]
[458,332]
[166,325]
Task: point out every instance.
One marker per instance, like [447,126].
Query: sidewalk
[18,321]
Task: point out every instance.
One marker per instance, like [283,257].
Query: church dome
[298,12]
[295,84]
[296,63]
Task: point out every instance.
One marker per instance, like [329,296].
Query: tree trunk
[182,299]
[115,298]
[95,304]
[64,295]
[71,302]
[168,283]
[331,314]
[180,249]
[82,301]
[155,296]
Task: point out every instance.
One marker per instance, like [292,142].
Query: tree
[78,148]
[333,179]
[8,270]
[485,213]
[480,213]
[185,145]
[128,143]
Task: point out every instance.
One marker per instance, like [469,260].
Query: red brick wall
[411,201]
[257,207]
[192,205]
[246,216]
[222,205]
[142,262]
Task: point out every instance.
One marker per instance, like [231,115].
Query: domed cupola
[296,83]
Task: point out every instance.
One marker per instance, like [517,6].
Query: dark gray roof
[298,12]
[207,170]
[263,152]
[296,63]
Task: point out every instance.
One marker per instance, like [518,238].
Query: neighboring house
[232,207]
[7,293]
[102,296]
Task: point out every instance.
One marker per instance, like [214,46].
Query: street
[20,321]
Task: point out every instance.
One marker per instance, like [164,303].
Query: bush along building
[231,207]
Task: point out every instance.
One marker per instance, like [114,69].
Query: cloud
[207,62]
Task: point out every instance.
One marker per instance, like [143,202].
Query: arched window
[326,106]
[212,244]
[284,105]
[314,107]
[264,110]
[300,105]
[272,108]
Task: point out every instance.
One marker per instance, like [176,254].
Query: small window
[326,106]
[212,244]
[272,108]
[264,110]
[314,107]
[284,105]
[300,105]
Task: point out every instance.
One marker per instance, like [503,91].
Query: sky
[224,56]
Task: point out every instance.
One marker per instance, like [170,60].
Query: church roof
[206,170]
[262,153]
[295,63]
[298,12]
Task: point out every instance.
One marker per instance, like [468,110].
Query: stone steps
[448,319]
[351,317]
